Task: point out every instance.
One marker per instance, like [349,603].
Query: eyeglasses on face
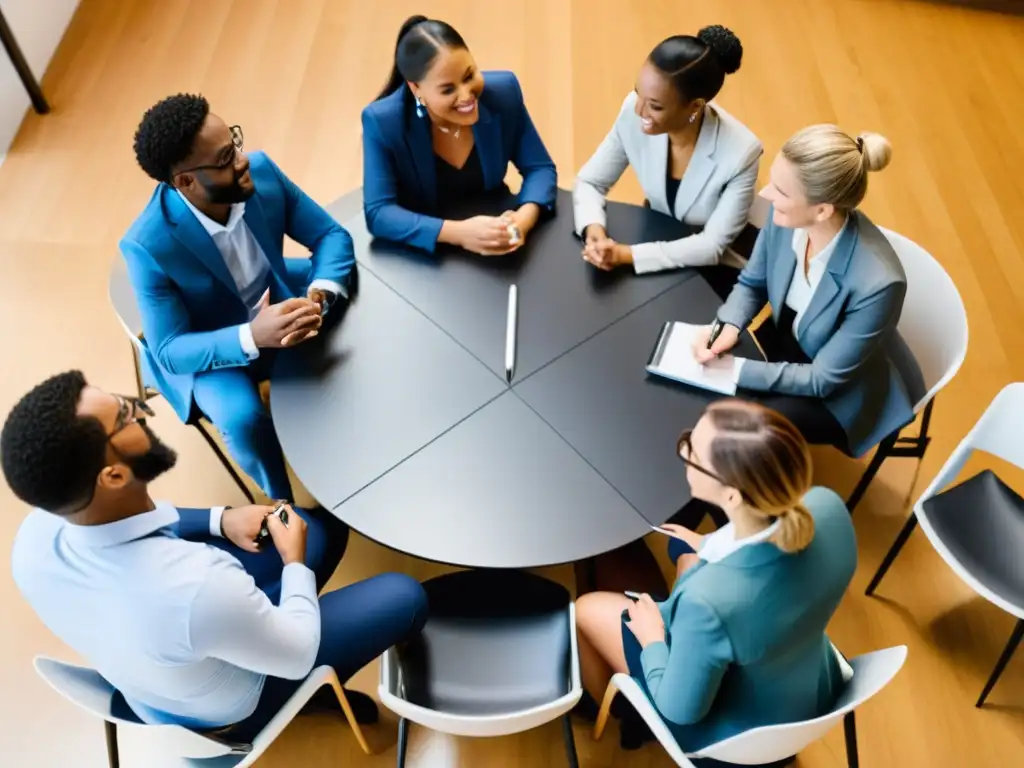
[237,141]
[128,412]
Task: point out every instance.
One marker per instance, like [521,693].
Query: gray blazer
[714,194]
[860,365]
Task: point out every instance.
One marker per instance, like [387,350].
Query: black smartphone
[281,510]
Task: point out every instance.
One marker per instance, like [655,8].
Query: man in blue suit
[216,294]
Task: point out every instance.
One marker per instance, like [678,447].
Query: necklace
[445,130]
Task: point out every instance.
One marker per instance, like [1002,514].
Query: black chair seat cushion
[981,522]
[496,642]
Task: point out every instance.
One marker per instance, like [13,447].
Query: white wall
[38,26]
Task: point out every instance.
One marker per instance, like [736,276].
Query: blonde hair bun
[876,149]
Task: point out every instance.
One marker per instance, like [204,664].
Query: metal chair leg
[881,453]
[850,731]
[901,539]
[1011,646]
[224,460]
[111,732]
[403,741]
[570,741]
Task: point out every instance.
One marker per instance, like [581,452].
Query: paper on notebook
[673,358]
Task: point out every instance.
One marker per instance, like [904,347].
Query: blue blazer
[188,300]
[745,636]
[399,181]
[860,366]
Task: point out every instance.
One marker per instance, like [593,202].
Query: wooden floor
[944,83]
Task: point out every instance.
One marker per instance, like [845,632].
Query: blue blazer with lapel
[745,636]
[188,300]
[860,366]
[399,179]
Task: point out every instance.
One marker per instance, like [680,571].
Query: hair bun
[724,45]
[876,149]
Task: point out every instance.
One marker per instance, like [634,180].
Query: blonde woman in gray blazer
[695,161]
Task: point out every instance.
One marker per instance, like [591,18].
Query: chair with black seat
[977,526]
[497,656]
[122,298]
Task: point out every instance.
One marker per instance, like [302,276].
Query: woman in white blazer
[695,161]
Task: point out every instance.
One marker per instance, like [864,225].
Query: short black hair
[51,455]
[168,132]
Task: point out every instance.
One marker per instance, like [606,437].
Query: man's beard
[229,194]
[158,459]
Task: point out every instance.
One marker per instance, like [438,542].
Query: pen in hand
[716,331]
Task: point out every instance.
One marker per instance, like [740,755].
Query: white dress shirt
[723,542]
[803,286]
[176,625]
[247,264]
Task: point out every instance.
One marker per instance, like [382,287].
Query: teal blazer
[745,637]
[860,366]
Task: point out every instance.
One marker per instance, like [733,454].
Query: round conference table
[400,421]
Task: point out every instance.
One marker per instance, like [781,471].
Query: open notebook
[673,358]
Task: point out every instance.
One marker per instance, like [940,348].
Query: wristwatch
[329,298]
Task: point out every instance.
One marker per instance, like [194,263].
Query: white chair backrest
[122,299]
[871,673]
[934,320]
[88,689]
[999,429]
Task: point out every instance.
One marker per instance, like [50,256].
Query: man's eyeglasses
[128,412]
[236,147]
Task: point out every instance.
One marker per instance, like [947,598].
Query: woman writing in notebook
[437,139]
[695,161]
[836,365]
[740,640]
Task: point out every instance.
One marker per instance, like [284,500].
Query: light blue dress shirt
[177,626]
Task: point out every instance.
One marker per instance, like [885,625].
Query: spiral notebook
[673,358]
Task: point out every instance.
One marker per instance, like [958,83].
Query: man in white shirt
[188,617]
[216,295]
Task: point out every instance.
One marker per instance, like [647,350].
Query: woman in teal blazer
[436,140]
[740,642]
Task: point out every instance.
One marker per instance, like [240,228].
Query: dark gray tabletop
[400,421]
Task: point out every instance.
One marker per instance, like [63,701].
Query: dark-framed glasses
[237,142]
[128,412]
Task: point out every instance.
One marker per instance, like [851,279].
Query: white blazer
[715,193]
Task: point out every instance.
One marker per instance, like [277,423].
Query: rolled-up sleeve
[234,621]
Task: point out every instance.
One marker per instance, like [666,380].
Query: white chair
[934,326]
[977,526]
[498,655]
[122,298]
[89,690]
[770,743]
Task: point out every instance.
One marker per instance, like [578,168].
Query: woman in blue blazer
[740,641]
[837,367]
[694,160]
[436,139]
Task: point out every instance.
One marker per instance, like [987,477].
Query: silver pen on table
[510,333]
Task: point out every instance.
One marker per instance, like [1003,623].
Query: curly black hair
[167,132]
[51,455]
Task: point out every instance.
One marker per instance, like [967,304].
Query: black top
[455,185]
[671,185]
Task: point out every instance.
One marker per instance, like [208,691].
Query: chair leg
[901,539]
[111,732]
[349,714]
[570,741]
[1011,646]
[403,741]
[224,461]
[606,708]
[876,463]
[850,731]
[140,387]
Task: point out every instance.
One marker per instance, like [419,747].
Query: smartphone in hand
[281,511]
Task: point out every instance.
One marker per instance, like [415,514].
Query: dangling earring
[419,107]
[693,117]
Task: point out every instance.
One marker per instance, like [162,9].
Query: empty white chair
[498,655]
[89,690]
[871,673]
[977,526]
[934,326]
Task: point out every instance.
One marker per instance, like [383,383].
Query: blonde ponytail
[795,531]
